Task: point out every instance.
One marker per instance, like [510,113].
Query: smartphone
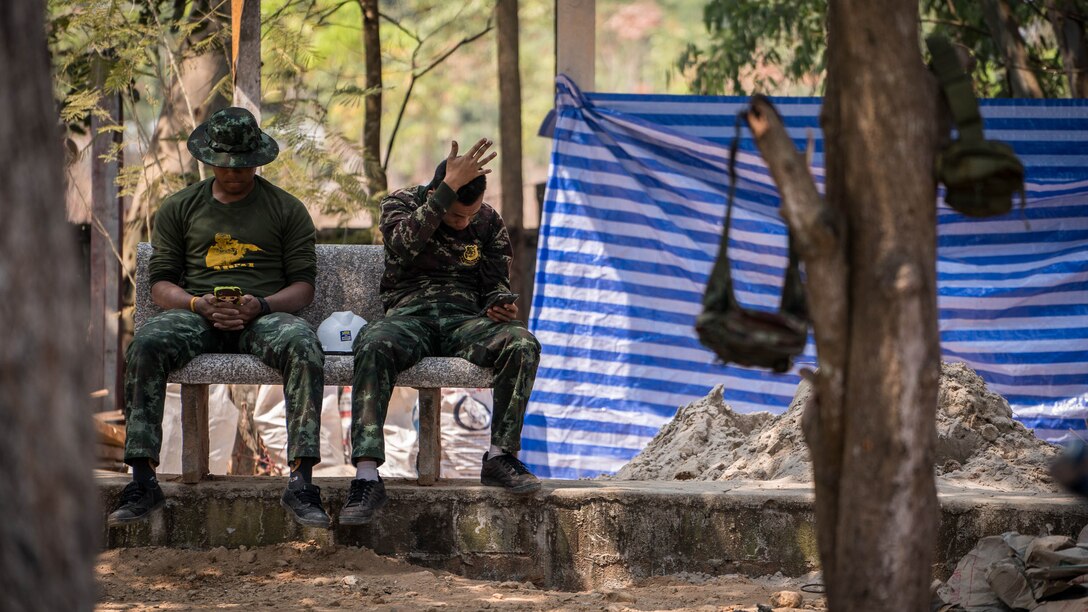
[228,294]
[499,300]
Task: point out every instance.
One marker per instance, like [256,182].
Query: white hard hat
[337,332]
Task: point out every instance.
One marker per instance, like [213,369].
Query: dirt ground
[306,576]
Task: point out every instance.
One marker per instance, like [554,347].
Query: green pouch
[980,176]
[746,337]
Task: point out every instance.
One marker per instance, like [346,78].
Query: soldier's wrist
[445,194]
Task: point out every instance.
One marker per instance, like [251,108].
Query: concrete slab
[573,534]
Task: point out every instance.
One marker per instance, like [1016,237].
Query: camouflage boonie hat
[231,138]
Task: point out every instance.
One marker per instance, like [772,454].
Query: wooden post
[506,14]
[194,433]
[576,41]
[245,17]
[107,215]
[429,459]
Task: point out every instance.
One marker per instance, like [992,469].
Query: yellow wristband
[192,303]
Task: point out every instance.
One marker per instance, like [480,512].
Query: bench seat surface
[430,373]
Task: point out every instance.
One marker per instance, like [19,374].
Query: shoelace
[309,495]
[361,490]
[511,462]
[132,493]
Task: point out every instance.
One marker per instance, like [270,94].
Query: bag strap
[721,277]
[720,285]
[957,88]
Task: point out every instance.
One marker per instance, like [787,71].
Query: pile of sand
[978,441]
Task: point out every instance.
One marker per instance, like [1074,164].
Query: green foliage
[319,165]
[778,46]
[757,45]
[963,22]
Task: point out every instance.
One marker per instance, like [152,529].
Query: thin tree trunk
[1006,34]
[506,20]
[870,254]
[1068,26]
[51,521]
[372,111]
[246,454]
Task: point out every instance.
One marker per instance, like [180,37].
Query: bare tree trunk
[246,454]
[372,117]
[870,255]
[880,138]
[190,99]
[1068,26]
[49,532]
[506,19]
[1006,33]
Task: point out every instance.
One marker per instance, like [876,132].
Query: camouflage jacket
[427,261]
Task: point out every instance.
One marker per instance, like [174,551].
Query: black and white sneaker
[137,502]
[303,501]
[365,498]
[508,472]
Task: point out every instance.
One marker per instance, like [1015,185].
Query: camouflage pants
[173,338]
[389,346]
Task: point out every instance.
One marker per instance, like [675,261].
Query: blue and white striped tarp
[631,226]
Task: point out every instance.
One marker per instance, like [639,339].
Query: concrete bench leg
[194,433]
[429,460]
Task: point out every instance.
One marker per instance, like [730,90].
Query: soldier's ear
[430,192]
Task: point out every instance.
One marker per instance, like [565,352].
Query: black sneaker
[137,502]
[365,498]
[508,472]
[303,501]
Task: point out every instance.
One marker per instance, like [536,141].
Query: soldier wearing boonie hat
[233,230]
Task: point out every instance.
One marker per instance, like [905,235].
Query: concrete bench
[347,279]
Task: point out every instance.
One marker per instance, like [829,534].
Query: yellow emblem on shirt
[471,255]
[226,252]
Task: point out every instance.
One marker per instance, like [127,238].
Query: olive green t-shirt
[261,243]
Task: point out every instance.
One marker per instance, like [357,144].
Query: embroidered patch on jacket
[471,255]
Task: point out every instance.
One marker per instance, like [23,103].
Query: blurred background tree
[1021,48]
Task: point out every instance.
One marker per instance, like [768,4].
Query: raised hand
[461,170]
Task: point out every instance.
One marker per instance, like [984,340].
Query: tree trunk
[1006,34]
[245,34]
[372,111]
[1068,27]
[870,257]
[168,166]
[880,135]
[506,20]
[247,446]
[51,520]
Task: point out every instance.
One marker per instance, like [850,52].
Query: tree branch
[417,75]
[818,231]
[401,27]
[957,24]
[463,42]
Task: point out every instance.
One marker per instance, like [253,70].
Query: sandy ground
[305,576]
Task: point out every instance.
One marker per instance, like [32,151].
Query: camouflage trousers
[389,346]
[173,338]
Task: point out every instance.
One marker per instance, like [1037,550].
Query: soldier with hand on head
[446,293]
[233,256]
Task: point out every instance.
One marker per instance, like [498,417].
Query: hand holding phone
[501,299]
[228,294]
